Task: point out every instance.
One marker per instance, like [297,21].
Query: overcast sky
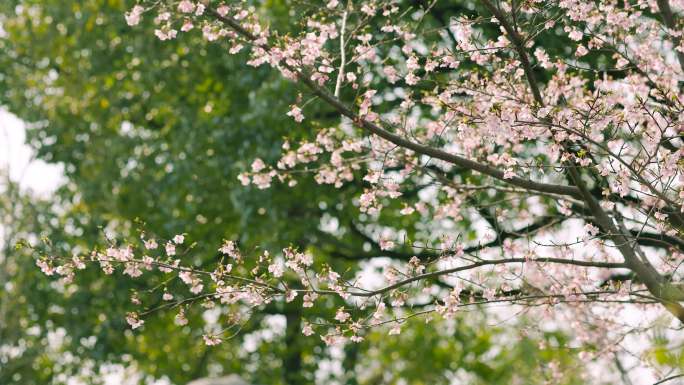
[32,174]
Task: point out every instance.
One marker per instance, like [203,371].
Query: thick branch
[666,293]
[519,46]
[400,141]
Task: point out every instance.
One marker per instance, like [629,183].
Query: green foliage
[475,353]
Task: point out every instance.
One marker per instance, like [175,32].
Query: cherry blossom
[296,114]
[135,15]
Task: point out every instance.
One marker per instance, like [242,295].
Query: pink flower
[591,230]
[170,249]
[258,165]
[79,264]
[391,73]
[241,14]
[342,316]
[133,320]
[165,34]
[296,113]
[209,33]
[235,48]
[164,16]
[187,26]
[186,6]
[45,267]
[230,249]
[180,318]
[150,244]
[308,299]
[244,179]
[135,15]
[178,239]
[368,9]
[196,287]
[290,295]
[211,340]
[307,330]
[581,51]
[222,10]
[133,269]
[276,269]
[386,244]
[575,35]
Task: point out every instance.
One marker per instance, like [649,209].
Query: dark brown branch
[658,240]
[519,46]
[666,293]
[664,380]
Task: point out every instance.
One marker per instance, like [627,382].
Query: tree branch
[606,265]
[371,127]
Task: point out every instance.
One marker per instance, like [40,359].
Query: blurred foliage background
[159,131]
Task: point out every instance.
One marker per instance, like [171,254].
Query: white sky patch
[31,174]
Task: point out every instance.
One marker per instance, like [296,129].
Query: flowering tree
[543,177]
